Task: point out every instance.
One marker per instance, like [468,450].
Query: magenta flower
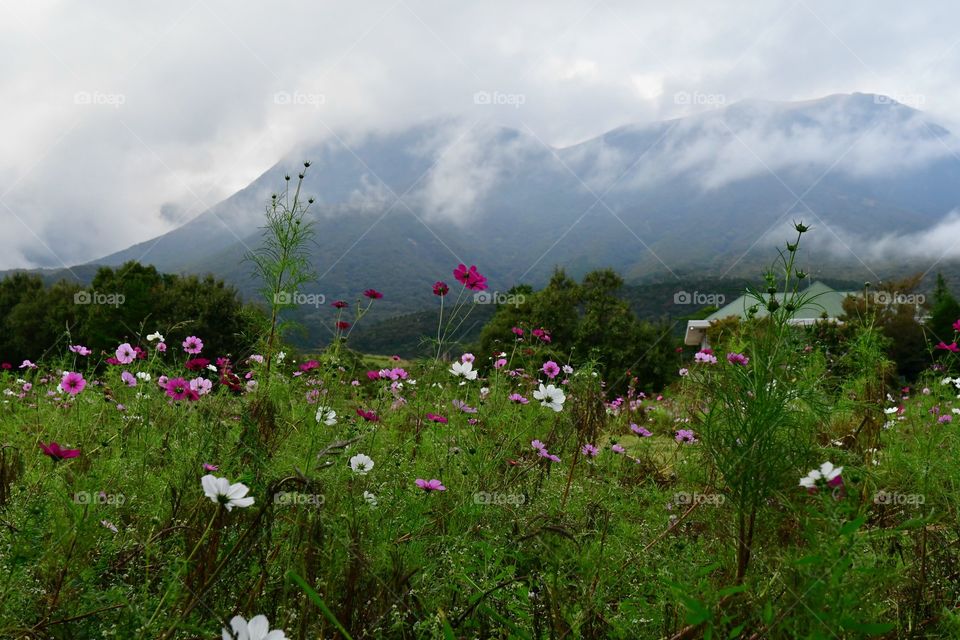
[551,369]
[162,347]
[430,485]
[210,467]
[192,345]
[440,288]
[343,325]
[373,294]
[369,416]
[956,325]
[57,453]
[945,418]
[178,389]
[519,399]
[536,444]
[72,383]
[340,304]
[432,417]
[685,435]
[126,354]
[948,347]
[500,363]
[517,331]
[738,359]
[470,278]
[589,450]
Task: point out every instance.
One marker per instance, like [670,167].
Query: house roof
[824,300]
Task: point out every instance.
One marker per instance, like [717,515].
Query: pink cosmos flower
[432,417]
[125,353]
[517,331]
[685,435]
[463,406]
[551,369]
[210,467]
[956,325]
[178,389]
[467,357]
[470,278]
[340,304]
[369,416]
[945,418]
[589,450]
[705,356]
[128,378]
[536,444]
[343,325]
[373,294]
[430,485]
[162,347]
[28,365]
[549,456]
[617,449]
[738,359]
[192,345]
[196,364]
[73,383]
[500,363]
[519,399]
[57,453]
[80,350]
[640,431]
[948,347]
[440,288]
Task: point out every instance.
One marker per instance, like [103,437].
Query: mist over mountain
[708,194]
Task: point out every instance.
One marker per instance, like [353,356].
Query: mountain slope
[398,210]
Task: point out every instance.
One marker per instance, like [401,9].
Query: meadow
[780,485]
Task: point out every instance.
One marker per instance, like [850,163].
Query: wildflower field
[781,485]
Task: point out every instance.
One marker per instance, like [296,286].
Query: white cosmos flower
[550,396]
[327,416]
[464,369]
[829,472]
[361,463]
[155,336]
[220,490]
[809,481]
[891,410]
[143,375]
[370,498]
[281,356]
[257,629]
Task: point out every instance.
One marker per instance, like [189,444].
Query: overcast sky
[121,120]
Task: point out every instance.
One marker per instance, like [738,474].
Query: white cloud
[178,103]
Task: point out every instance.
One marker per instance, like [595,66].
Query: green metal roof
[824,299]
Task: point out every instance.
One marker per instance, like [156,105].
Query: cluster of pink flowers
[470,278]
[705,356]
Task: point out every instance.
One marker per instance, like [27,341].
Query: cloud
[123,118]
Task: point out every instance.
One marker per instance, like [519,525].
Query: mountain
[707,195]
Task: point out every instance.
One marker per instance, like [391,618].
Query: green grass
[517,546]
